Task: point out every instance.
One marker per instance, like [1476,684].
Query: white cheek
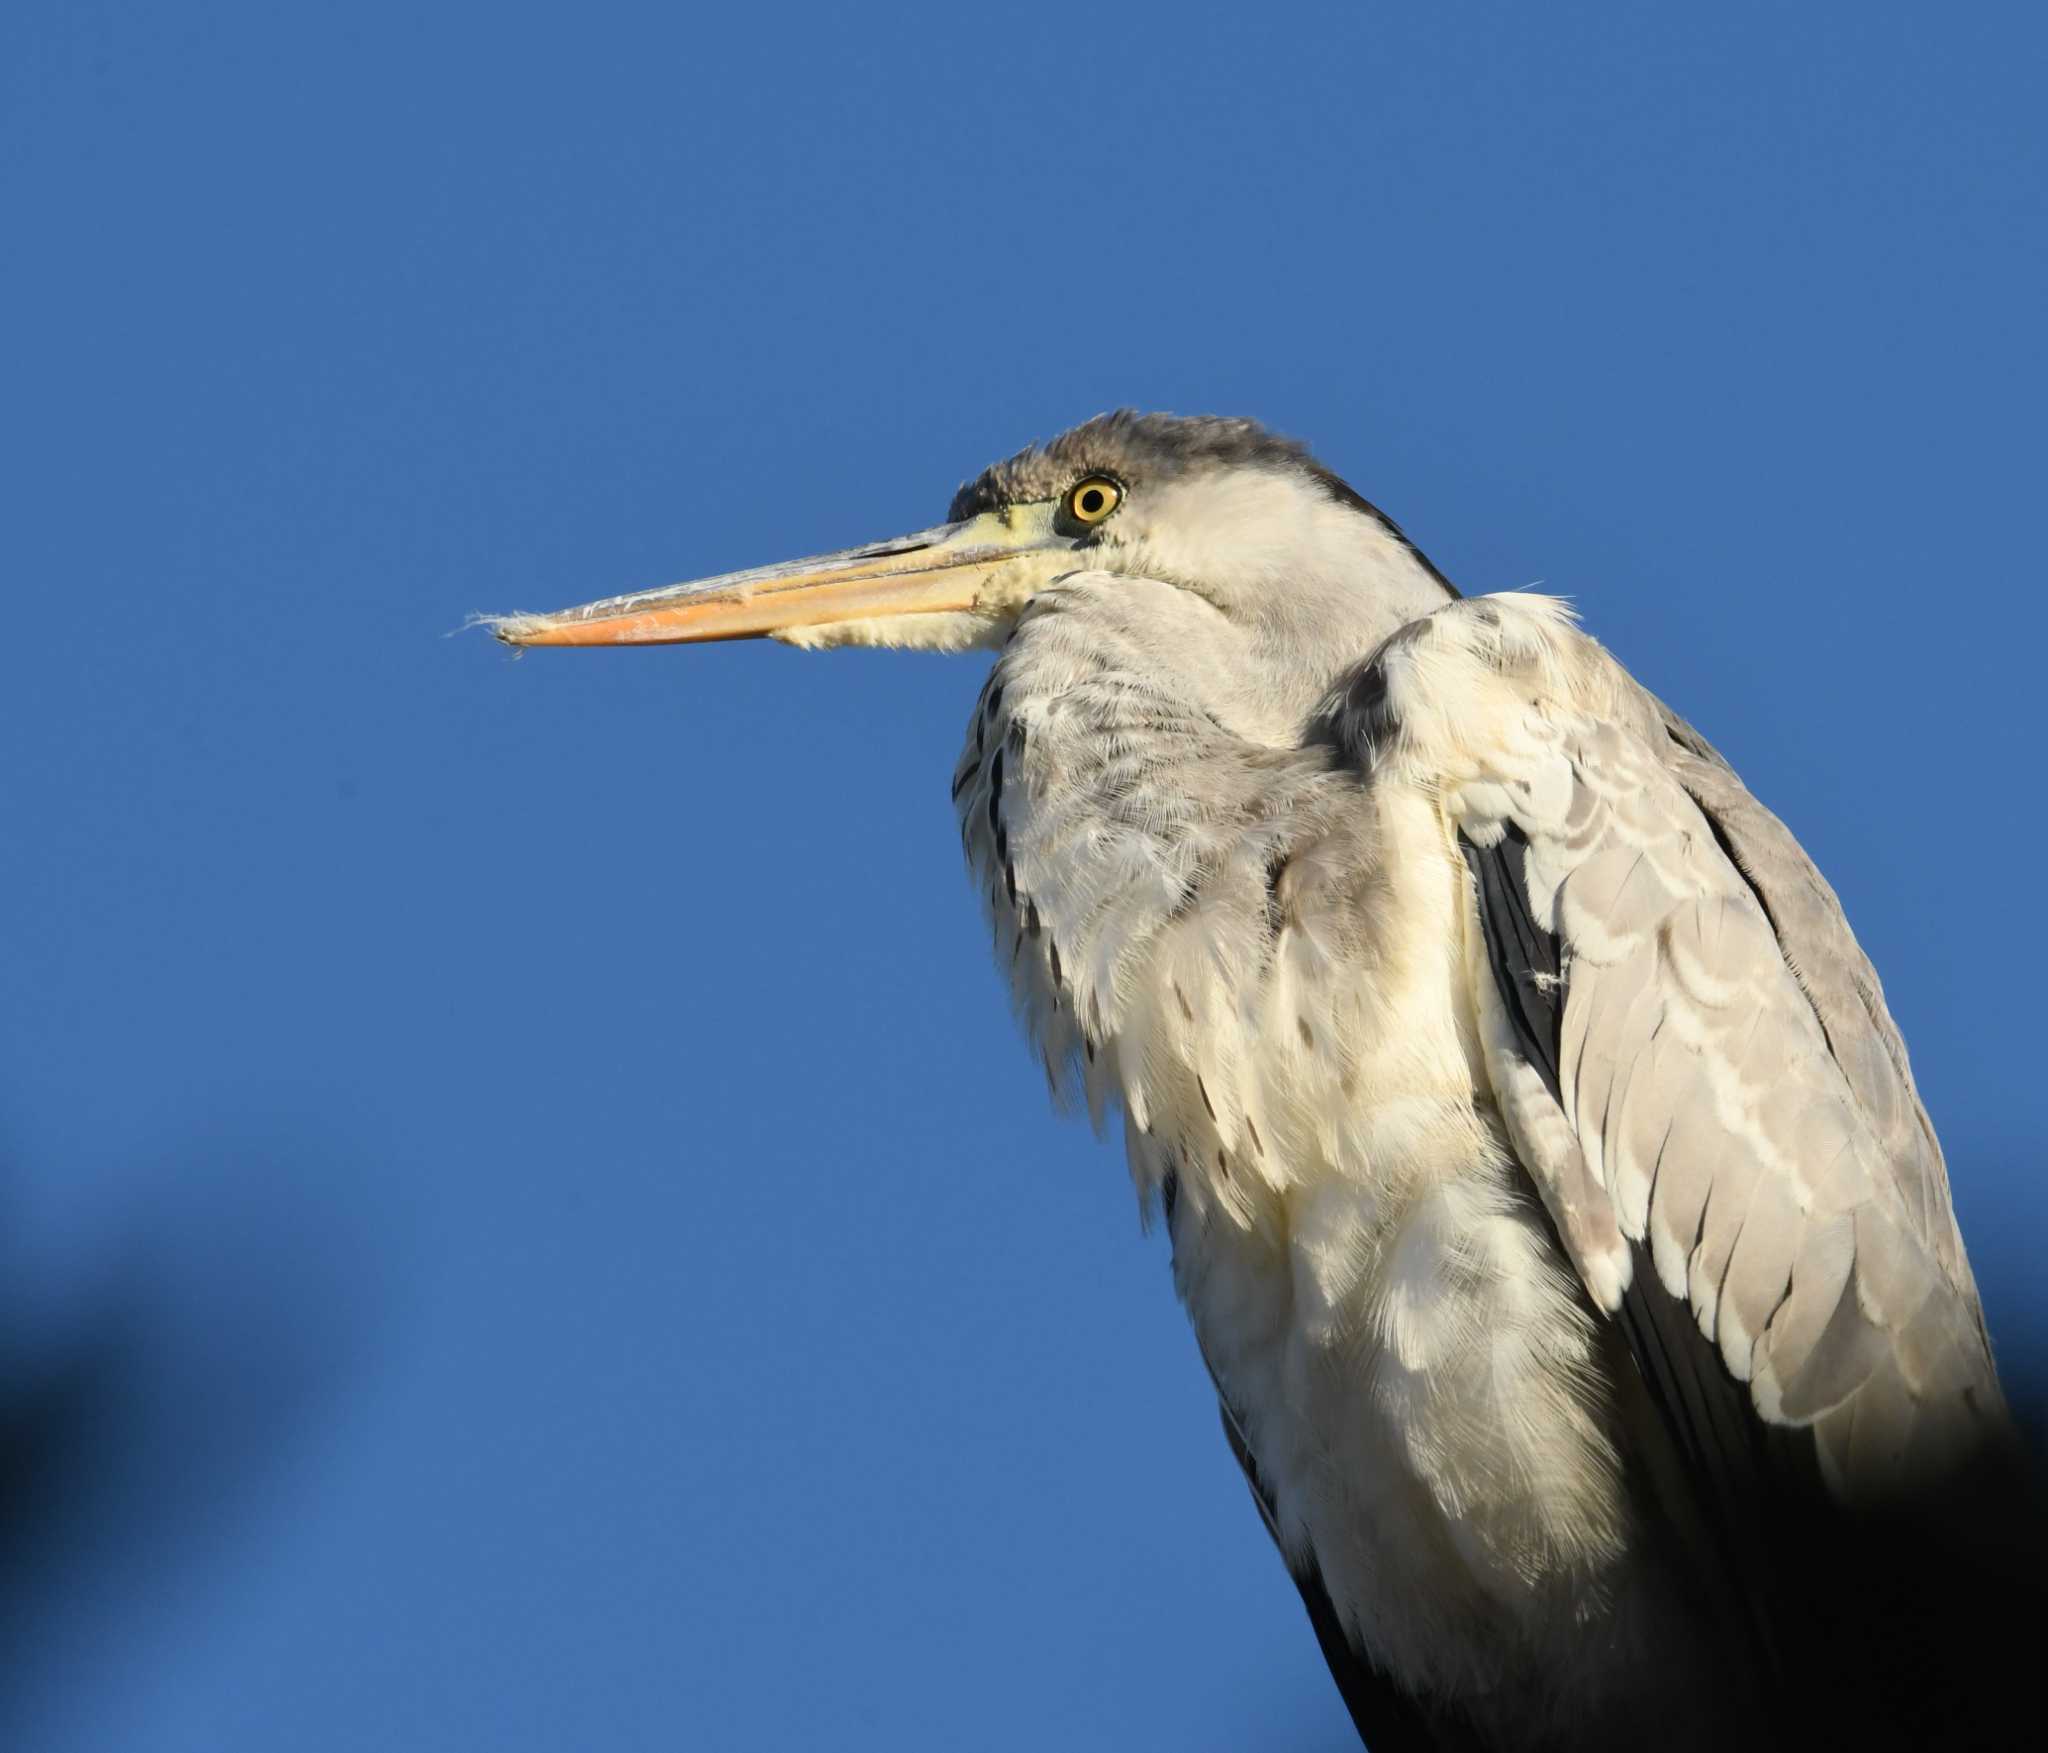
[1240,535]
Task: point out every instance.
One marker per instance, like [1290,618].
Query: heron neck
[1137,646]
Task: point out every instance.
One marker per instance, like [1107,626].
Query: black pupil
[1091,501]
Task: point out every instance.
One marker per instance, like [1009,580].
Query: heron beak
[951,569]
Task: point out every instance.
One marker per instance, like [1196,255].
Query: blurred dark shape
[1918,1626]
[151,1405]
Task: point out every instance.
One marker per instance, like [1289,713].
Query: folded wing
[1691,1055]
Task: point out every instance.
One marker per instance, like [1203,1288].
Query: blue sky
[524,1221]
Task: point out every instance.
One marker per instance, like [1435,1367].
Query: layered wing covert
[1690,1053]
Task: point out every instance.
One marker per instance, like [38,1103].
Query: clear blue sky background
[523,1219]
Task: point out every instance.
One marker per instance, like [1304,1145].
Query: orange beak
[936,571]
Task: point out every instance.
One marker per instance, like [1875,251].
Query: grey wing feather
[1836,976]
[1723,1105]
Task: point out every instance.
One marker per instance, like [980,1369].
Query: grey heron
[1546,1182]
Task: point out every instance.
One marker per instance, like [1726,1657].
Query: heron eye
[1094,499]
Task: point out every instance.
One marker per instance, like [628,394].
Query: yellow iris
[1094,499]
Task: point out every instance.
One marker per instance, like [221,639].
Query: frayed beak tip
[505,629]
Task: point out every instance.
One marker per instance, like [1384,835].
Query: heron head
[1224,509]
